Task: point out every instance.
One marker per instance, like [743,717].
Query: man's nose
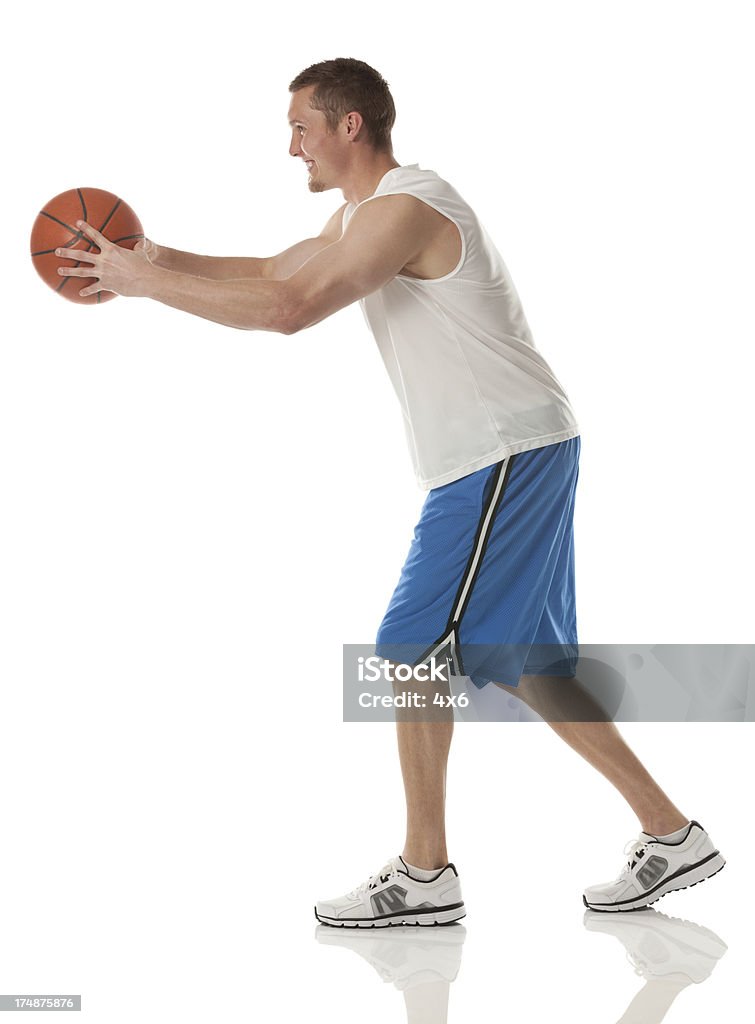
[293,149]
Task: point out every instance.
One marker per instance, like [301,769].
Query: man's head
[336,105]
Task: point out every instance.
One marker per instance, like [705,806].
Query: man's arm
[381,238]
[227,268]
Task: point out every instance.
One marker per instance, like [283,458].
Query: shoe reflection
[669,953]
[420,962]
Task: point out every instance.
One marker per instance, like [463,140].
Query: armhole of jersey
[427,202]
[344,221]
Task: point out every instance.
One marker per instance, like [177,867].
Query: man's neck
[365,179]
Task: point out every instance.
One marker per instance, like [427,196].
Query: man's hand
[119,270]
[150,249]
[382,237]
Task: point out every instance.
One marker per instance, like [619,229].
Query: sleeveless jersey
[472,386]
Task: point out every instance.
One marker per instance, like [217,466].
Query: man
[493,439]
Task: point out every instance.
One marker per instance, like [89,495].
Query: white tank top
[472,386]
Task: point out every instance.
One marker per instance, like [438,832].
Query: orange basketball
[55,228]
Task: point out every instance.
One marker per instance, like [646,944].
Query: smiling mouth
[309,164]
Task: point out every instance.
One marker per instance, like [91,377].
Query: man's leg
[424,739]
[423,752]
[598,740]
[420,894]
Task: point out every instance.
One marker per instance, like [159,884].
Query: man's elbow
[292,316]
[298,319]
[290,325]
[297,311]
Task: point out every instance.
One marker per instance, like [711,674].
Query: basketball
[55,228]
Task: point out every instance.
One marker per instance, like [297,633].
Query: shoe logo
[389,900]
[392,900]
[650,872]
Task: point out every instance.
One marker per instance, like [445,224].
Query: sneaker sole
[427,919]
[693,876]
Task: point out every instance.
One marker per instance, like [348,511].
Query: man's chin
[317,185]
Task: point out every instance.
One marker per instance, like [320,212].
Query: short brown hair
[346,84]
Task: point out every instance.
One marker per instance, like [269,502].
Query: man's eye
[300,127]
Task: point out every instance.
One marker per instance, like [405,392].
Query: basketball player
[493,439]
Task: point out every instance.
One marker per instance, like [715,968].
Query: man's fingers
[81,255]
[91,290]
[92,233]
[77,271]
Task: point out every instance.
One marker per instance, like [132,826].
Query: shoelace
[388,871]
[635,849]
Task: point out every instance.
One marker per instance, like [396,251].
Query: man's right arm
[229,268]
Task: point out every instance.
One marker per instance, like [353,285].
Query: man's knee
[534,690]
[424,694]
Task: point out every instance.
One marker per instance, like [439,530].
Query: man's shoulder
[424,183]
[334,227]
[399,210]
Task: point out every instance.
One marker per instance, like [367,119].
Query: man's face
[321,151]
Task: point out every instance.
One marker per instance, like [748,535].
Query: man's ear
[354,125]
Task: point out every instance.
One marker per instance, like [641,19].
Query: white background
[195,519]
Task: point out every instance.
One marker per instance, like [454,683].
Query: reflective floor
[651,957]
[187,893]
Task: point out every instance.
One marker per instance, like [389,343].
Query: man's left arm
[381,237]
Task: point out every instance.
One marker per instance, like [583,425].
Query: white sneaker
[655,868]
[393,897]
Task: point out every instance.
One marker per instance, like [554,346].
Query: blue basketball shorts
[489,578]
